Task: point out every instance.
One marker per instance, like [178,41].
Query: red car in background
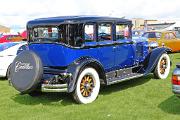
[24,35]
[11,38]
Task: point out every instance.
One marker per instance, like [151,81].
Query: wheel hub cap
[163,65]
[87,85]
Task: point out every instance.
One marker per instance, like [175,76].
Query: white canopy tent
[172,27]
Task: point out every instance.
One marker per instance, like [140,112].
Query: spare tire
[26,72]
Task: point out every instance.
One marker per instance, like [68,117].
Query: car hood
[152,39]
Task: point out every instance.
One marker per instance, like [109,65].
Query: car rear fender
[152,59]
[77,66]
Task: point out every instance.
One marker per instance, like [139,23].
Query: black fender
[78,65]
[152,59]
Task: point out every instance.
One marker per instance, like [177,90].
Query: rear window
[45,34]
[4,46]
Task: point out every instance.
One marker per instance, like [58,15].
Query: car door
[170,41]
[16,38]
[106,48]
[125,49]
[175,42]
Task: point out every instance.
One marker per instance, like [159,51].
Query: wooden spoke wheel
[87,86]
[163,67]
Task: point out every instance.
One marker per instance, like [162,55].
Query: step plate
[124,78]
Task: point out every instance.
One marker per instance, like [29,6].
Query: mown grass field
[139,99]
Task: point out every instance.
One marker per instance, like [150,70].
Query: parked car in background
[8,52]
[77,54]
[11,38]
[1,34]
[176,80]
[165,38]
[151,45]
[24,35]
[137,33]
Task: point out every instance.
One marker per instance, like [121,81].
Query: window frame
[167,35]
[111,33]
[96,24]
[129,31]
[30,32]
[94,31]
[174,36]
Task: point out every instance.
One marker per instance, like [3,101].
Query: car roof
[159,31]
[74,19]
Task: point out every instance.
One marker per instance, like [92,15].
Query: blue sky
[15,13]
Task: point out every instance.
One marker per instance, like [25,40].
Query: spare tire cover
[26,71]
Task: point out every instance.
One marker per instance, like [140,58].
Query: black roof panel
[73,19]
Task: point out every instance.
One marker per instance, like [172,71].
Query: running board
[124,78]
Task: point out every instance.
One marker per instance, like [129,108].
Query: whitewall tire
[87,86]
[163,67]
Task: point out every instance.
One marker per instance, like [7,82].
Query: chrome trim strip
[125,79]
[54,88]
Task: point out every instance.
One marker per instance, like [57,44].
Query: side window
[89,33]
[76,35]
[158,35]
[122,32]
[172,36]
[9,38]
[167,36]
[104,32]
[46,32]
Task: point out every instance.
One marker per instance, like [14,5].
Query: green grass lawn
[139,99]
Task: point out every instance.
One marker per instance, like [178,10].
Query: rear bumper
[54,88]
[176,89]
[55,80]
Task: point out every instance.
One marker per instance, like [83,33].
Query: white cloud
[15,13]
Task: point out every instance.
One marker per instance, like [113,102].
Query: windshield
[152,35]
[4,46]
[45,34]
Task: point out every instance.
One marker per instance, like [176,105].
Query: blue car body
[57,55]
[109,49]
[110,55]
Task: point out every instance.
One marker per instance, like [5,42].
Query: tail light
[176,80]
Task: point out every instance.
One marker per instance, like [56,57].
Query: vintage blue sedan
[77,54]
